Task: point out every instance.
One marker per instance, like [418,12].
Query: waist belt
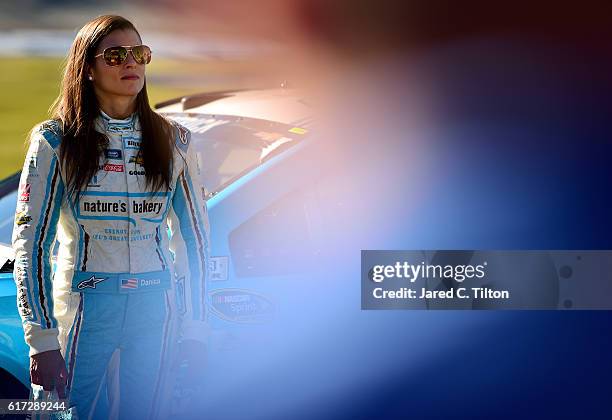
[100,282]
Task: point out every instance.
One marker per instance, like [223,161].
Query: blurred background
[197,47]
[333,45]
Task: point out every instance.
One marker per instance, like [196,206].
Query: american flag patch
[129,283]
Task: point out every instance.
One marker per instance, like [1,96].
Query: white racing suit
[117,292]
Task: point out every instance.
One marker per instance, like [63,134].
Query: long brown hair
[77,107]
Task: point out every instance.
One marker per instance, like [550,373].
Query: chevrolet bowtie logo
[90,282]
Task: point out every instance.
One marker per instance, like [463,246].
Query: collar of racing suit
[106,123]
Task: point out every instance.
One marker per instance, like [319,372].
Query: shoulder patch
[52,132]
[183,136]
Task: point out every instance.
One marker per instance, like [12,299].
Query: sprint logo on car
[241,306]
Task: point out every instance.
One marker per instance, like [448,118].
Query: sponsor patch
[241,306]
[23,306]
[120,128]
[120,206]
[90,283]
[22,218]
[131,143]
[137,159]
[111,167]
[20,274]
[103,206]
[113,154]
[94,182]
[24,193]
[145,206]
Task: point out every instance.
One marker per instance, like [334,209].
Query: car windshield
[228,147]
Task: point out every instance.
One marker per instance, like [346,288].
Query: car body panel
[13,348]
[230,212]
[281,105]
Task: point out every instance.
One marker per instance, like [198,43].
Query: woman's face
[125,79]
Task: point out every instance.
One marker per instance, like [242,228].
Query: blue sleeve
[189,241]
[41,190]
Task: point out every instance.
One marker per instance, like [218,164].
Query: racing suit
[121,289]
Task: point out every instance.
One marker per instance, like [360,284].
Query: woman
[104,176]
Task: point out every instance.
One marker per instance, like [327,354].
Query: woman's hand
[48,369]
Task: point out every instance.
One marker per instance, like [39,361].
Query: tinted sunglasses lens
[115,56]
[142,54]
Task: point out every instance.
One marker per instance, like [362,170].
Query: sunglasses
[114,56]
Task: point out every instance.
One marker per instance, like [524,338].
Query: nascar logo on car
[241,305]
